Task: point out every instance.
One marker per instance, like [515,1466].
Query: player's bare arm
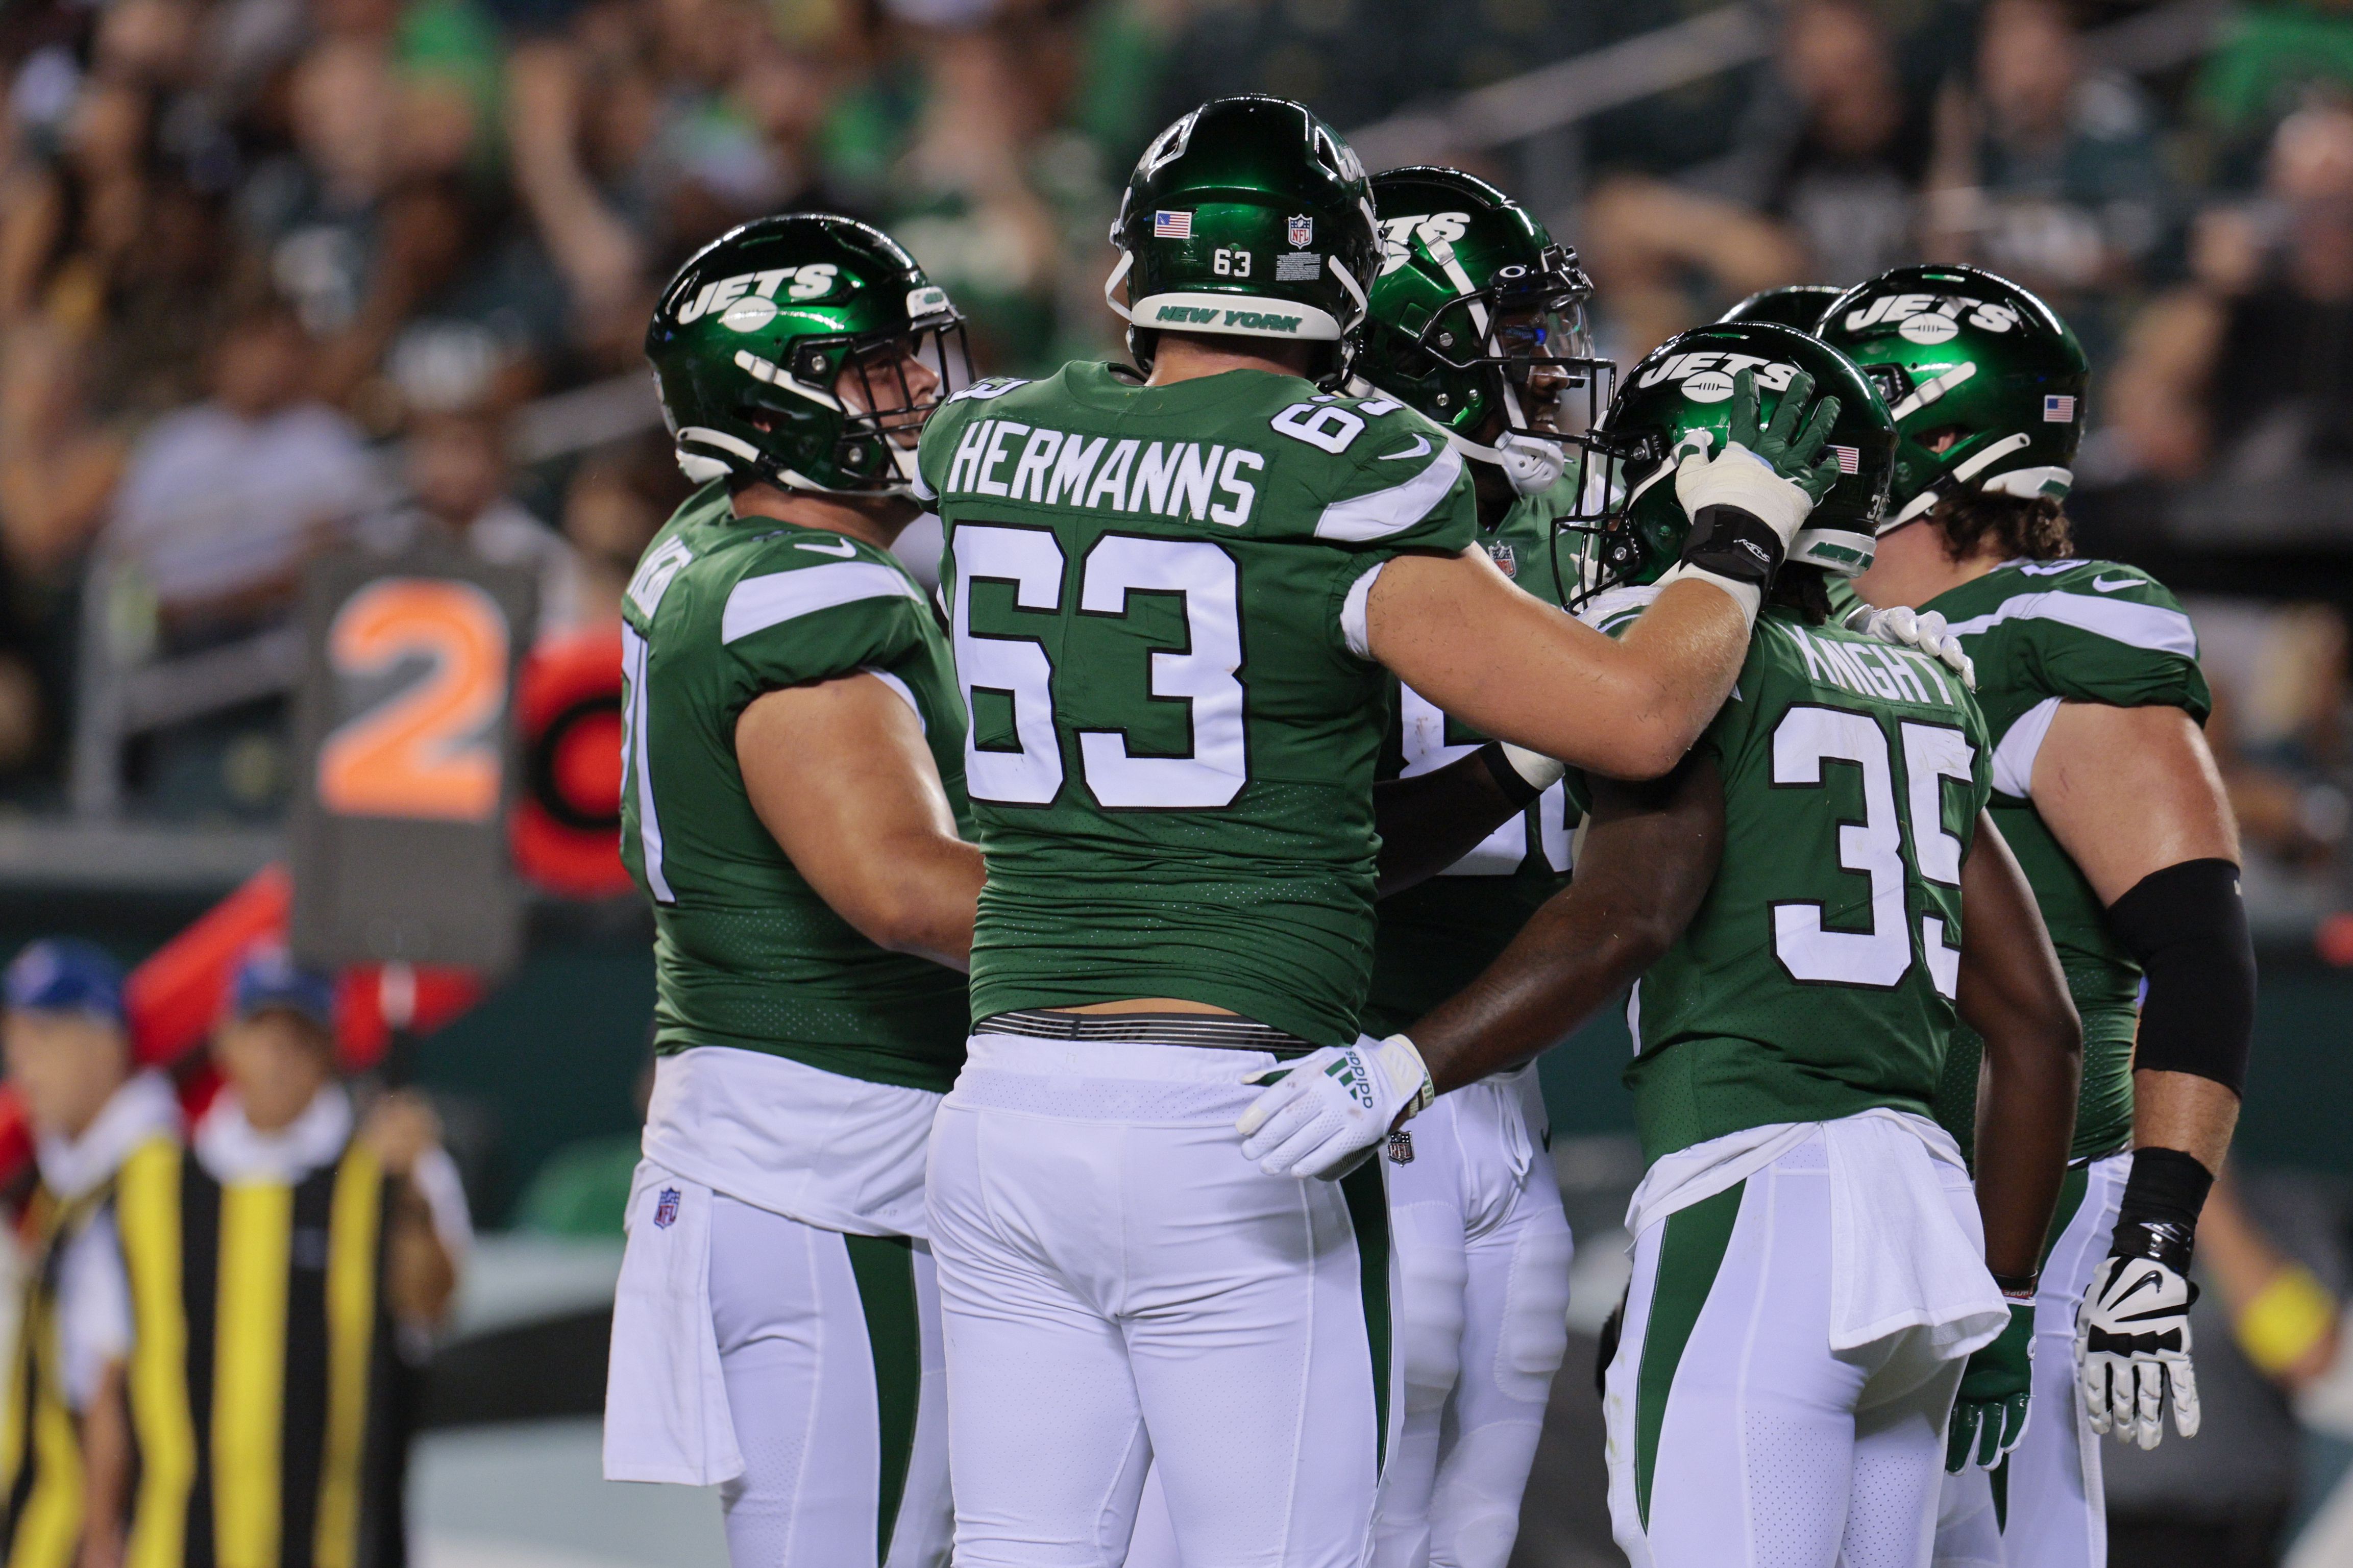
[840,776]
[1649,855]
[1457,631]
[1432,820]
[2132,794]
[107,1466]
[2012,993]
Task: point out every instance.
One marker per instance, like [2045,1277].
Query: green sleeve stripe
[1360,520]
[758,602]
[2150,627]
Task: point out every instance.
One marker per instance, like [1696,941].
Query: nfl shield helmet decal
[666,1209]
[1302,230]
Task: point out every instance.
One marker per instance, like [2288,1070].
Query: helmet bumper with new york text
[1680,398]
[1477,321]
[804,351]
[1249,217]
[1985,381]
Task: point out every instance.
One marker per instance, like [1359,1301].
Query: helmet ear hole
[1944,439]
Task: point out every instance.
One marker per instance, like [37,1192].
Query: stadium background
[279,275]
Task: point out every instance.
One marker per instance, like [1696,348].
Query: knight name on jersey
[1013,461]
[811,282]
[1873,669]
[1932,318]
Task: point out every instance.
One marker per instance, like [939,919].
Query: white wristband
[1400,1060]
[1747,596]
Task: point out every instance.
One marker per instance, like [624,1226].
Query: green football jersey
[1434,939]
[745,953]
[2043,632]
[1157,596]
[1817,979]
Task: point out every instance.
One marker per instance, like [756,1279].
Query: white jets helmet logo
[1933,318]
[1435,229]
[1707,376]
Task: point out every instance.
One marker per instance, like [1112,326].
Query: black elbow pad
[2187,926]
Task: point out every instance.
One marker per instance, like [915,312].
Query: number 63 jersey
[1817,979]
[1157,595]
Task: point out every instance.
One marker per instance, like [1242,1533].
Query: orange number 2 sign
[424,751]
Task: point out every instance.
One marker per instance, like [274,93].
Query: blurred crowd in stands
[277,273]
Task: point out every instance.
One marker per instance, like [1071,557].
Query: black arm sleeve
[2187,925]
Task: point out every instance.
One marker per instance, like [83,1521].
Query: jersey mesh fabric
[1744,1023]
[2081,631]
[746,953]
[1434,939]
[1198,821]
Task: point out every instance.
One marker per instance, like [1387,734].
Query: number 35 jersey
[1157,601]
[746,953]
[1817,979]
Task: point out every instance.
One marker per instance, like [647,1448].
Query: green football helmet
[1477,320]
[780,353]
[1679,398]
[1798,305]
[1985,381]
[1250,216]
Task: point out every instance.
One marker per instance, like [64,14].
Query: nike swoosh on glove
[1924,631]
[1990,1416]
[1320,1115]
[2132,1349]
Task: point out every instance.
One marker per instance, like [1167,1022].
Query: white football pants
[1737,1438]
[1118,1285]
[830,1362]
[1483,1254]
[2055,1512]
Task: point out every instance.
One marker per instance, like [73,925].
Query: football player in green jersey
[2104,787]
[794,809]
[1476,322]
[1812,897]
[1172,596]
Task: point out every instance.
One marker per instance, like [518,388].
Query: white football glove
[1922,630]
[1321,1114]
[1738,476]
[2132,1349]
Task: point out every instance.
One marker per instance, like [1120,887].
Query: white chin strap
[1532,465]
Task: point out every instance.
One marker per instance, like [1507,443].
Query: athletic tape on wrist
[1747,595]
[2157,1216]
[1520,773]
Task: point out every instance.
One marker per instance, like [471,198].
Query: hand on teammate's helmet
[1922,630]
[1320,1114]
[1990,1416]
[1775,473]
[2132,1349]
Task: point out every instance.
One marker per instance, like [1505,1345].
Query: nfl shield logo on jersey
[1302,230]
[1506,560]
[666,1209]
[1401,1147]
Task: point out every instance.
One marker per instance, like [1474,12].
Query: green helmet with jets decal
[1798,305]
[1250,216]
[1679,397]
[805,351]
[1985,381]
[1477,320]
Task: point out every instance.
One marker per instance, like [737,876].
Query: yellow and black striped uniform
[291,1401]
[41,1471]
